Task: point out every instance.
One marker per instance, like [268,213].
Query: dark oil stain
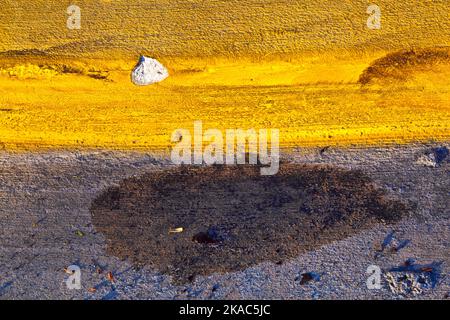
[233,218]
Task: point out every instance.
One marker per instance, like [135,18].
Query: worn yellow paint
[291,66]
[76,111]
[231,28]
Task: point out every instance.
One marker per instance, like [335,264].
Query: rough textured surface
[313,102]
[312,69]
[221,27]
[46,199]
[233,218]
[285,64]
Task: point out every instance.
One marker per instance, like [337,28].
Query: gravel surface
[46,225]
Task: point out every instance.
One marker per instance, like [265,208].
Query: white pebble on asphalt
[148,71]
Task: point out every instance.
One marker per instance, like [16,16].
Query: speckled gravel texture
[46,225]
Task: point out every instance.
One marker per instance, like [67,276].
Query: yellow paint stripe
[78,112]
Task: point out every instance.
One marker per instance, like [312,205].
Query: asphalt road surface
[48,221]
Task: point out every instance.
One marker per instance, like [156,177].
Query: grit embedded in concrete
[46,225]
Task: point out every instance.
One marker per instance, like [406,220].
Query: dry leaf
[67,271]
[79,233]
[175,230]
[110,276]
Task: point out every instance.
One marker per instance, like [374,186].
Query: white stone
[427,160]
[148,71]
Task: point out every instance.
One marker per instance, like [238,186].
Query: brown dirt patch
[233,218]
